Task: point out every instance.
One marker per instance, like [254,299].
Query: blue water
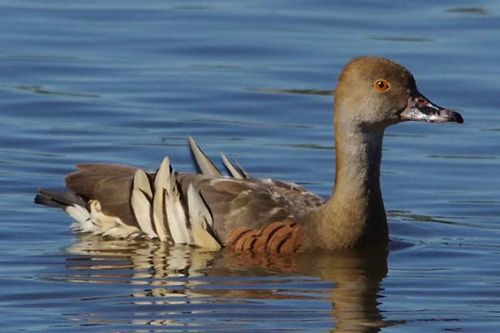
[127,82]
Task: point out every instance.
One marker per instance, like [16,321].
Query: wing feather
[201,221]
[159,206]
[141,201]
[202,163]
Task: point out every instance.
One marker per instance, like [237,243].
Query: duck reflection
[181,275]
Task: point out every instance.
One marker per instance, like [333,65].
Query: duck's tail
[74,205]
[120,201]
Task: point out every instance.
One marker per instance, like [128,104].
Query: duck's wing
[250,204]
[206,209]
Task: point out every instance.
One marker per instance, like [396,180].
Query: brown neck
[355,212]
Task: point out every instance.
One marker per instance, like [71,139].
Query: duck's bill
[420,108]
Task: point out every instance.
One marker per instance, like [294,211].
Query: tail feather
[42,199]
[58,199]
[83,219]
[74,205]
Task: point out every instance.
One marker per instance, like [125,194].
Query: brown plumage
[109,184]
[261,215]
[252,203]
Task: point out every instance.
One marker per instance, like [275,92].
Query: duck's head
[375,92]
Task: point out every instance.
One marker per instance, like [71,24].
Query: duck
[211,210]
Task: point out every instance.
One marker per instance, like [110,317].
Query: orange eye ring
[381,86]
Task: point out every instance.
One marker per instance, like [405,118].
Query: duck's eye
[381,86]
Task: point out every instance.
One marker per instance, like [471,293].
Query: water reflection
[173,286]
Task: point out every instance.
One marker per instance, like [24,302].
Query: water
[126,82]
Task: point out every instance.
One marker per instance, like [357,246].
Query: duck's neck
[355,212]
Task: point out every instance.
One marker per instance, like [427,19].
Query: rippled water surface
[128,81]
